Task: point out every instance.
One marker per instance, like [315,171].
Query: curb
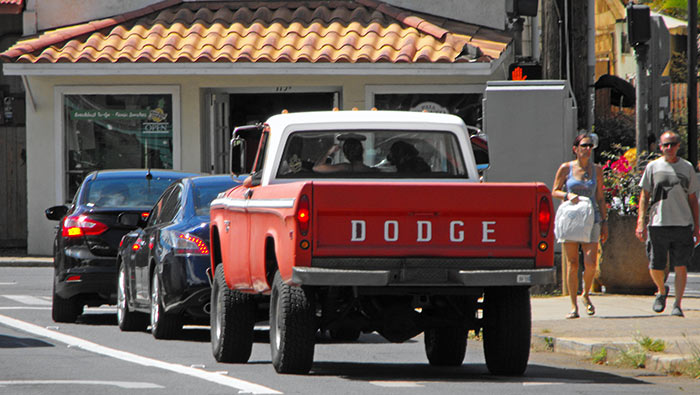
[584,348]
[26,262]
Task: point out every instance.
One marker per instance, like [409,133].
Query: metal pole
[692,82]
[591,65]
[641,51]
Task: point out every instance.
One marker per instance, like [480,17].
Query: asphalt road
[38,356]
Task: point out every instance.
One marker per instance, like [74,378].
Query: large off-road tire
[163,325]
[292,328]
[126,319]
[232,321]
[445,346]
[507,329]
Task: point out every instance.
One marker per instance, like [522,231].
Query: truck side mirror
[238,156]
[480,147]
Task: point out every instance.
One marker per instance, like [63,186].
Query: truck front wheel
[445,346]
[232,321]
[292,328]
[507,329]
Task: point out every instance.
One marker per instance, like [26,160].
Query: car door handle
[248,194]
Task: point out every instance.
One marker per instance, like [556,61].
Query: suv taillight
[81,225]
[303,215]
[544,216]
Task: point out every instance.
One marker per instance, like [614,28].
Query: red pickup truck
[361,221]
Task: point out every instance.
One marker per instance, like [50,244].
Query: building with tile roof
[163,84]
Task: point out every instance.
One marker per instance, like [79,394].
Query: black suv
[88,235]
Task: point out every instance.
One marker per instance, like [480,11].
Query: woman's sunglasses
[586,145]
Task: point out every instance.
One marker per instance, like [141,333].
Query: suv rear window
[125,192]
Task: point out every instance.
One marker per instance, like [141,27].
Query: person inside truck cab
[353,152]
[294,162]
[404,156]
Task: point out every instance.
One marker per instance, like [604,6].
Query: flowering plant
[621,177]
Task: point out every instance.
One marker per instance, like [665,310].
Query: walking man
[669,188]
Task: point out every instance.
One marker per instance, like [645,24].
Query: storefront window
[465,105]
[116,131]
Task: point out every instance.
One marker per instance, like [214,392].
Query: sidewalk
[619,320]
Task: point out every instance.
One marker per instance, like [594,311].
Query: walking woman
[582,177]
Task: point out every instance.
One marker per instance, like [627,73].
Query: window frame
[373,90]
[60,91]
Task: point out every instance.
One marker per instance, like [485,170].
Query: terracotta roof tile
[343,31]
[11,6]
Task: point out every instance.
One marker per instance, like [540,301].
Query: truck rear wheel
[507,330]
[232,321]
[445,346]
[292,328]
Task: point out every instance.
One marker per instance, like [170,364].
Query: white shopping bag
[574,222]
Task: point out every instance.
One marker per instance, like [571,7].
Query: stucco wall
[41,14]
[490,13]
[43,132]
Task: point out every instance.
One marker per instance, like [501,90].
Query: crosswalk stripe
[28,299]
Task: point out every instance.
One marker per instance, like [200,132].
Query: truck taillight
[544,216]
[303,215]
[78,226]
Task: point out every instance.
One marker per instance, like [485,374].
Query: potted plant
[624,266]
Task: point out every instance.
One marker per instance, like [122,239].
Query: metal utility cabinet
[530,127]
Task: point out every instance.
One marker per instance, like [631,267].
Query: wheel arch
[215,249]
[271,265]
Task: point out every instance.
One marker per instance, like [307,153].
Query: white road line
[120,384]
[28,299]
[9,283]
[24,308]
[242,385]
[397,384]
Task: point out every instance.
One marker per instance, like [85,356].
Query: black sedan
[163,263]
[88,235]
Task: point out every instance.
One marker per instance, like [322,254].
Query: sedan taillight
[81,225]
[187,244]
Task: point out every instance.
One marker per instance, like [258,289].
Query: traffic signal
[523,72]
[638,24]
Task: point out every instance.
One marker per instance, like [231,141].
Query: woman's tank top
[584,188]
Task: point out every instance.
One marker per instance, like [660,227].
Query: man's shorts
[675,242]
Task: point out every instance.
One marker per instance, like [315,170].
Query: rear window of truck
[372,154]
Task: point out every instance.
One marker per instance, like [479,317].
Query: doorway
[230,110]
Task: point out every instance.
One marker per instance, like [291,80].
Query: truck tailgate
[410,219]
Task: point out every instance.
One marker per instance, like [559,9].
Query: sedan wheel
[127,320]
[163,325]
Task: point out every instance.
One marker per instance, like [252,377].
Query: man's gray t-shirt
[669,185]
